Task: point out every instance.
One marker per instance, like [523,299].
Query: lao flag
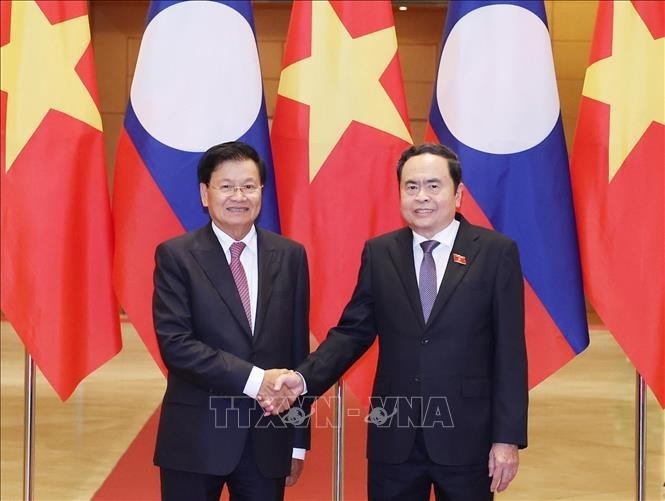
[197,83]
[496,104]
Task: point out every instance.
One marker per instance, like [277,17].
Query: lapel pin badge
[458,258]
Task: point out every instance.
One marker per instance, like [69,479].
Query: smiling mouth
[237,209]
[424,211]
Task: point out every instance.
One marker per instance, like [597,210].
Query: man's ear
[458,195]
[203,189]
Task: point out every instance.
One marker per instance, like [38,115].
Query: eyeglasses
[245,189]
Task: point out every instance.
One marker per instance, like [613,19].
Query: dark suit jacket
[206,343]
[467,364]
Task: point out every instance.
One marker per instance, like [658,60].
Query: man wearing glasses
[230,300]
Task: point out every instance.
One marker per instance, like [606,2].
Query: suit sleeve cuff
[298,453]
[304,383]
[253,384]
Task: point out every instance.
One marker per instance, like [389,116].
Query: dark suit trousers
[245,483]
[413,479]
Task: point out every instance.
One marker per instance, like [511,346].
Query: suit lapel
[402,255]
[465,245]
[210,256]
[269,260]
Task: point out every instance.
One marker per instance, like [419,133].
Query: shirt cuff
[304,383]
[253,384]
[298,453]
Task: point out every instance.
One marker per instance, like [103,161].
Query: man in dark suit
[230,299]
[449,403]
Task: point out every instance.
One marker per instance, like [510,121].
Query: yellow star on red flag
[631,81]
[341,83]
[39,74]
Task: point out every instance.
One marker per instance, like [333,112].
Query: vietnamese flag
[339,128]
[618,173]
[56,222]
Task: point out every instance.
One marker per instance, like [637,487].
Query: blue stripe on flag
[527,196]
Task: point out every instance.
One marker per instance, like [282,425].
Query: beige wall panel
[270,53]
[122,17]
[418,61]
[271,21]
[270,90]
[419,99]
[110,62]
[112,126]
[570,92]
[419,24]
[133,47]
[571,59]
[573,20]
[418,130]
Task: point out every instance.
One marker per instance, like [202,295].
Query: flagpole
[640,434]
[28,426]
[338,443]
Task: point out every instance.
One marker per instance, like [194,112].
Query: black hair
[454,166]
[220,153]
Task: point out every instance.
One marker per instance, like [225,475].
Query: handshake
[279,390]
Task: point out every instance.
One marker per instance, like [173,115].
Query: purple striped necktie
[427,278]
[241,279]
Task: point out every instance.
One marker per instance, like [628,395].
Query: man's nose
[238,193]
[422,194]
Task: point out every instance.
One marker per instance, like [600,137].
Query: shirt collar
[445,237]
[225,240]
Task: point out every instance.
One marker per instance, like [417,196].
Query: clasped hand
[279,390]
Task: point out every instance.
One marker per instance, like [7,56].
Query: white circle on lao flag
[496,86]
[197,80]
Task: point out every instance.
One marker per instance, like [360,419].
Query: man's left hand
[503,462]
[297,466]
